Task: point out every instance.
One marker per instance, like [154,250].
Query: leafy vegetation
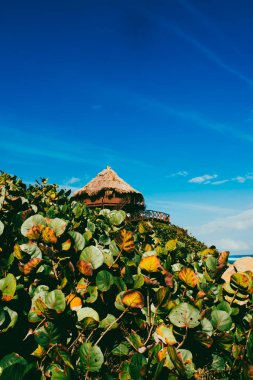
[86,295]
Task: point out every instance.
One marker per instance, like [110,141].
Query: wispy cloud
[204,179]
[193,206]
[73,180]
[239,179]
[238,222]
[180,173]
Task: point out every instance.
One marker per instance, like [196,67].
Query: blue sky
[160,90]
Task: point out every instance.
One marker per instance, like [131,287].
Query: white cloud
[204,179]
[193,206]
[239,222]
[231,244]
[73,180]
[220,182]
[180,173]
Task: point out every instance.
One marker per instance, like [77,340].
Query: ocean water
[232,258]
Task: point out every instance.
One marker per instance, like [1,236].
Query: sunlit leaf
[8,287]
[1,228]
[165,334]
[33,226]
[133,299]
[109,320]
[188,276]
[150,264]
[66,245]
[184,315]
[48,235]
[171,245]
[58,225]
[125,240]
[92,255]
[30,266]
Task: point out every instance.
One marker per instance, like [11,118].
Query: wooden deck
[149,215]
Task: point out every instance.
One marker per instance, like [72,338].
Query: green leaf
[31,249]
[8,287]
[93,294]
[117,217]
[12,367]
[93,256]
[138,281]
[88,317]
[114,248]
[250,348]
[184,315]
[56,372]
[104,280]
[56,300]
[91,357]
[13,316]
[47,335]
[221,320]
[78,240]
[171,245]
[107,321]
[218,363]
[1,228]
[58,225]
[137,366]
[121,349]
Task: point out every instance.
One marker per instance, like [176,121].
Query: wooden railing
[149,215]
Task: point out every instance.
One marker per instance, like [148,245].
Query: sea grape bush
[86,295]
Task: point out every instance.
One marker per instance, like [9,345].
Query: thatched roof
[106,180]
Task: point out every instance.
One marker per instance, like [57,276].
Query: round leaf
[150,264]
[78,239]
[34,221]
[58,225]
[91,357]
[188,276]
[104,280]
[184,315]
[133,299]
[93,256]
[8,287]
[221,320]
[55,300]
[1,228]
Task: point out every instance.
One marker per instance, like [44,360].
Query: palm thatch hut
[108,190]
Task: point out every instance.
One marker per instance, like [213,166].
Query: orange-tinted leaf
[188,276]
[69,298]
[85,268]
[66,245]
[35,232]
[125,240]
[223,258]
[150,264]
[75,304]
[32,264]
[168,278]
[48,235]
[165,334]
[240,280]
[133,298]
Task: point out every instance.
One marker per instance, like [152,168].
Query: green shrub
[86,295]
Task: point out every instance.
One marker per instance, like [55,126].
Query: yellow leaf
[125,240]
[188,276]
[17,252]
[150,264]
[66,245]
[39,352]
[163,354]
[165,334]
[48,235]
[171,245]
[35,232]
[133,298]
[207,251]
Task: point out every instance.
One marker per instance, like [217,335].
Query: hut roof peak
[106,179]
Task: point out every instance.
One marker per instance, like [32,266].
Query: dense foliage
[86,295]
